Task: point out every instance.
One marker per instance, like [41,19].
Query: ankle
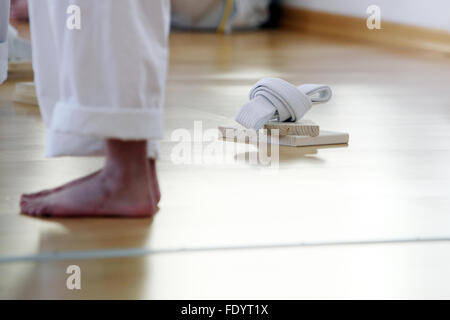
[126,149]
[126,158]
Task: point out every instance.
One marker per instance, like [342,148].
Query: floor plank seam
[141,252]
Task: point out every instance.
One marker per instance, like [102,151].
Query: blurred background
[416,23]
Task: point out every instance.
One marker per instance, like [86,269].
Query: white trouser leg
[4,21]
[105,80]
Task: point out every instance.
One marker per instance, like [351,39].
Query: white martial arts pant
[4,21]
[105,80]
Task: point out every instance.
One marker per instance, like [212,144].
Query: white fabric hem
[3,61]
[107,122]
[60,144]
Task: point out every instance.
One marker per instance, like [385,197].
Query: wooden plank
[20,70]
[303,127]
[252,136]
[25,92]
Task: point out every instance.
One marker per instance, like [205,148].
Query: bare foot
[125,187]
[153,183]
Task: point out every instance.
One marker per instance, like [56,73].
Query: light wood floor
[369,220]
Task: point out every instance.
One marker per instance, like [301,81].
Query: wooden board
[20,70]
[25,92]
[300,128]
[248,135]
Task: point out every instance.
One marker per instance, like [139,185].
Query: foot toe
[30,206]
[35,194]
[25,205]
[37,211]
[23,200]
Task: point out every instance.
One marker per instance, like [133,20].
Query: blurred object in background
[223,15]
[19,48]
[19,56]
[212,15]
[19,10]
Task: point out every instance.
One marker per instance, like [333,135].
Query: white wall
[425,13]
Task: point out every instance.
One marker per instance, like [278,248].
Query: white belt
[273,98]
